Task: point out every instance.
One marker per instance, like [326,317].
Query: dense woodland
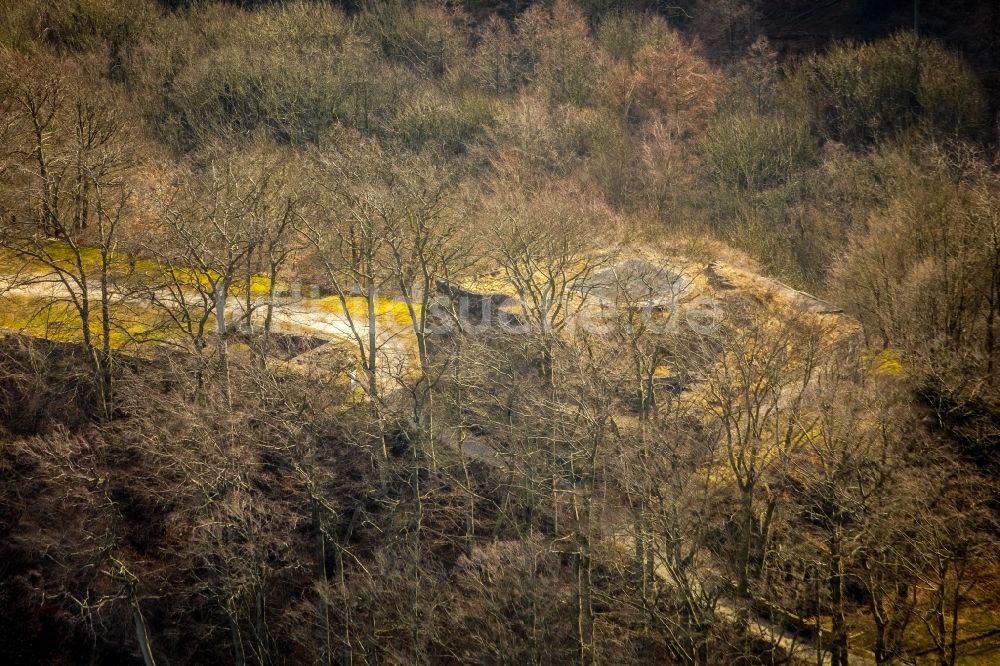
[175,490]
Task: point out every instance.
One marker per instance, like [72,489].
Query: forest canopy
[440,332]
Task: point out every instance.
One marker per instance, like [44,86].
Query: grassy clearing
[49,313]
[387,310]
[62,255]
[886,363]
[59,321]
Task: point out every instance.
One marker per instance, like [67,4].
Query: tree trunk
[141,634]
[838,647]
[221,297]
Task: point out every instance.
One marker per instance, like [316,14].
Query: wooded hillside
[426,332]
